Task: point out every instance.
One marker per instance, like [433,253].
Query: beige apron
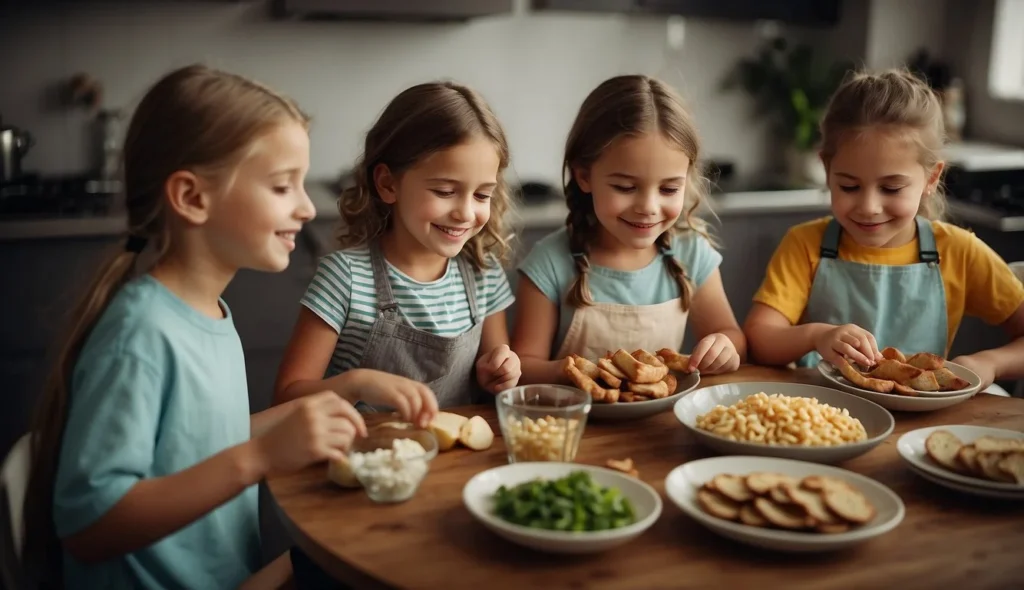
[601,328]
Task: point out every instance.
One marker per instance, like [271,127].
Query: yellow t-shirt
[978,282]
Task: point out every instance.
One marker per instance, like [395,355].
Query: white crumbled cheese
[391,475]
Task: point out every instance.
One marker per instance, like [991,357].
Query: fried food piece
[893,354]
[903,389]
[675,361]
[926,381]
[895,371]
[597,393]
[585,366]
[645,357]
[623,465]
[948,381]
[608,366]
[864,382]
[636,371]
[656,390]
[926,361]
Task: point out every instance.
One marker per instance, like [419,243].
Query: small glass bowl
[542,422]
[391,479]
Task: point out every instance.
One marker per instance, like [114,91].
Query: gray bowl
[877,421]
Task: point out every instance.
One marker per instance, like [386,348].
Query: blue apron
[903,306]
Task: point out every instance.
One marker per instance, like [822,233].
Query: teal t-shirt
[550,266]
[158,388]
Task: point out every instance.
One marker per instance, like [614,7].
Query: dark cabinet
[391,10]
[804,12]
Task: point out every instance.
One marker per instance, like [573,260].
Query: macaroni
[782,420]
[543,439]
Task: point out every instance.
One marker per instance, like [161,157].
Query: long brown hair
[892,98]
[420,121]
[628,105]
[194,118]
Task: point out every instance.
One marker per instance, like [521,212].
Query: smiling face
[444,199]
[254,220]
[638,185]
[877,184]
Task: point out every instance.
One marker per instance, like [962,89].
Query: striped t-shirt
[342,294]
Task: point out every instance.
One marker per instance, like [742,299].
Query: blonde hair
[628,105]
[892,98]
[194,118]
[422,120]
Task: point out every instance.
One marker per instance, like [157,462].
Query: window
[1006,70]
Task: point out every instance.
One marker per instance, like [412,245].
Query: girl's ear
[385,183]
[186,196]
[933,177]
[582,177]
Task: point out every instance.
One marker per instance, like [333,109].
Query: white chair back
[13,485]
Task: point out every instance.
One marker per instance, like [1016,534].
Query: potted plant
[791,87]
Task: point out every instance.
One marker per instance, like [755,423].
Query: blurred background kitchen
[72,72]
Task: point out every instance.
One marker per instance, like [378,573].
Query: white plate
[958,370]
[684,481]
[911,449]
[966,489]
[478,494]
[878,423]
[892,401]
[636,410]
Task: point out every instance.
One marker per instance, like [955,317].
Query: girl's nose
[646,202]
[305,211]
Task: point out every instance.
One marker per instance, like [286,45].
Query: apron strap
[382,286]
[830,241]
[469,281]
[926,241]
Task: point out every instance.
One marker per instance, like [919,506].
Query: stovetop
[49,197]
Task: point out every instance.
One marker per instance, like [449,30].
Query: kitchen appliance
[985,185]
[14,144]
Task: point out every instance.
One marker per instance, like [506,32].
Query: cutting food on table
[634,264]
[884,270]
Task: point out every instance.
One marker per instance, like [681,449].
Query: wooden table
[946,540]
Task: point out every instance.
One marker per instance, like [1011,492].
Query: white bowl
[911,449]
[878,423]
[966,489]
[684,481]
[478,494]
[636,410]
[923,402]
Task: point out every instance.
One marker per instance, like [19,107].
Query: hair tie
[666,251]
[578,255]
[135,244]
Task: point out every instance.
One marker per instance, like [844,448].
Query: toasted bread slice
[848,504]
[832,529]
[821,482]
[968,457]
[995,444]
[1013,465]
[988,463]
[718,505]
[787,516]
[749,515]
[763,482]
[813,503]
[944,448]
[926,361]
[732,487]
[893,354]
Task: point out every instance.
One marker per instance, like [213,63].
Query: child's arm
[536,324]
[775,341]
[497,367]
[153,508]
[305,362]
[722,346]
[1005,362]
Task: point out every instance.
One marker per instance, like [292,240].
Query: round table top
[432,541]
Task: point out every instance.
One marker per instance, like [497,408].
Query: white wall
[534,69]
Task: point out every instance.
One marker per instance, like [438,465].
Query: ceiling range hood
[798,12]
[389,10]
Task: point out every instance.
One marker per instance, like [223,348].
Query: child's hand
[848,341]
[412,399]
[498,370]
[980,366]
[318,427]
[715,354]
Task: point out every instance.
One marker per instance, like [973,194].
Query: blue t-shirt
[550,266]
[158,388]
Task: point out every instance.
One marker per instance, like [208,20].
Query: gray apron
[445,364]
[903,306]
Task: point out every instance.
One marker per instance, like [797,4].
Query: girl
[630,265]
[144,454]
[417,288]
[882,270]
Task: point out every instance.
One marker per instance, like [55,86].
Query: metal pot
[14,144]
